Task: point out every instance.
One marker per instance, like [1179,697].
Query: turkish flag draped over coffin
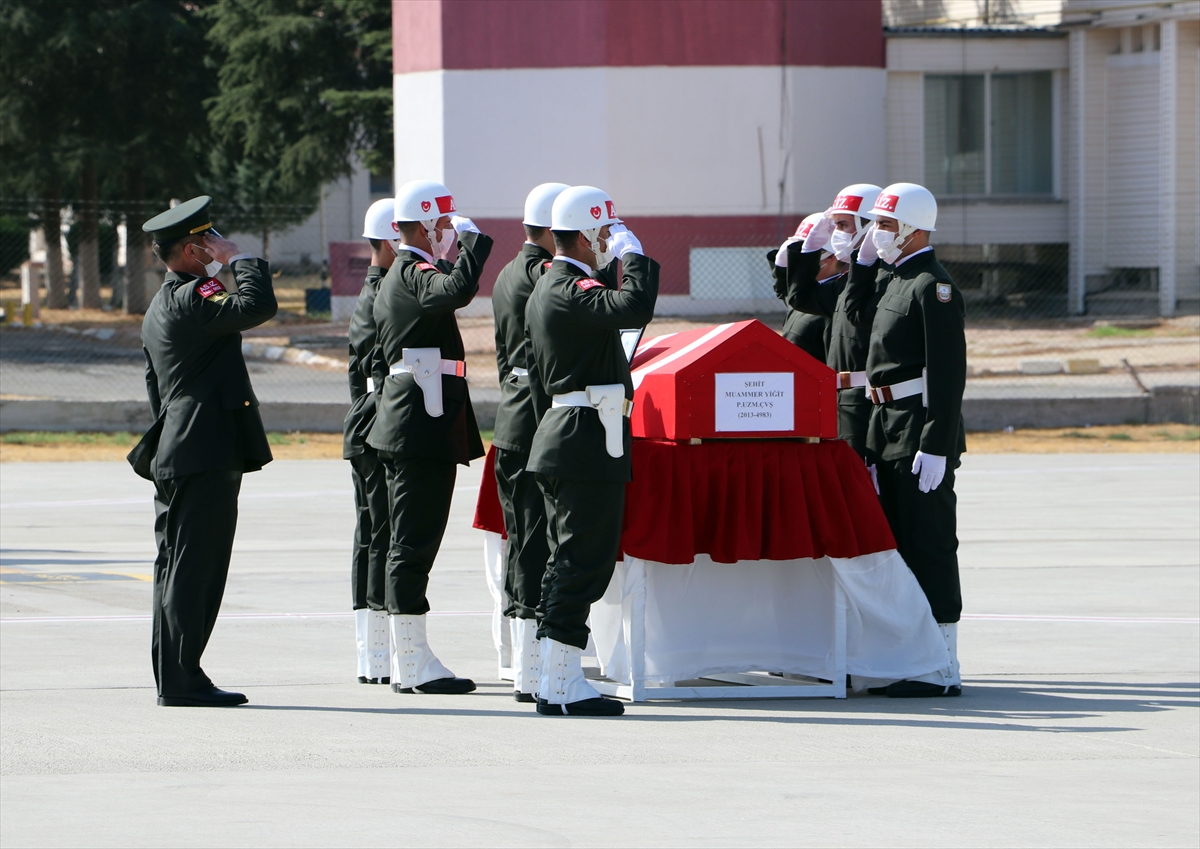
[733,381]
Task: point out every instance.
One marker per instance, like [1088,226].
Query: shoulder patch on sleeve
[208,288]
[943,292]
[546,265]
[586,283]
[426,266]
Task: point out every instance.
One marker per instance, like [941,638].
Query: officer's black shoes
[600,706]
[439,687]
[877,691]
[363,679]
[208,697]
[919,690]
[525,698]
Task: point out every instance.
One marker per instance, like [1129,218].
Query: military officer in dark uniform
[916,374]
[808,332]
[207,433]
[842,228]
[583,393]
[372,530]
[520,497]
[424,423]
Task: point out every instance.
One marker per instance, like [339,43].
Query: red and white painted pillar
[715,125]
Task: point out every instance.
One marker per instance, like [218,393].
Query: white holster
[609,401]
[427,367]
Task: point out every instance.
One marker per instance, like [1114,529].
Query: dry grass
[1132,439]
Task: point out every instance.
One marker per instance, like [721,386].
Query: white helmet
[909,204]
[582,208]
[857,200]
[423,200]
[806,226]
[380,221]
[540,201]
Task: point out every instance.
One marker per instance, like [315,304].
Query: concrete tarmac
[1078,725]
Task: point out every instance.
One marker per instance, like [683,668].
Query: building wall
[710,122]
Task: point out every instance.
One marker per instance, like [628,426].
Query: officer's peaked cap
[187,219]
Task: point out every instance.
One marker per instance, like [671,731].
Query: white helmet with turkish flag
[909,204]
[540,202]
[856,200]
[583,208]
[423,200]
[380,221]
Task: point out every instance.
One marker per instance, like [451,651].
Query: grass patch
[276,438]
[1074,434]
[1123,436]
[1108,332]
[67,437]
[1186,436]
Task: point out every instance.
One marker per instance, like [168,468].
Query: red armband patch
[426,266]
[207,288]
[588,283]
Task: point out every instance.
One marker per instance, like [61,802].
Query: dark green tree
[304,86]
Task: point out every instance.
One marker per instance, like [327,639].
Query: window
[989,134]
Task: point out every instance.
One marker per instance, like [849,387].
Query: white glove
[819,234]
[461,224]
[931,469]
[866,247]
[874,476]
[781,256]
[621,241]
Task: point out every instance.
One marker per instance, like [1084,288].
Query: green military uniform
[809,333]
[520,497]
[414,308]
[573,321]
[918,325]
[207,433]
[848,342]
[372,528]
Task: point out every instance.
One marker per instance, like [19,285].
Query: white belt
[904,389]
[519,372]
[427,367]
[610,402]
[370,385]
[851,379]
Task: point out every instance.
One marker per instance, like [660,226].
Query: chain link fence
[1023,340]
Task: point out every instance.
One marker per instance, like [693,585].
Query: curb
[1178,404]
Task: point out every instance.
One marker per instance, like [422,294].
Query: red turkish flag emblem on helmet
[445,204]
[612,210]
[595,210]
[887,202]
[803,230]
[396,226]
[425,205]
[847,203]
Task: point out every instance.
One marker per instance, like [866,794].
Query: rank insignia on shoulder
[588,283]
[426,266]
[207,289]
[943,292]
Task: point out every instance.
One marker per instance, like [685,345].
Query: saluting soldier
[840,229]
[583,394]
[372,529]
[424,422]
[520,498]
[808,332]
[207,433]
[916,374]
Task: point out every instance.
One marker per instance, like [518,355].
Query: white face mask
[440,241]
[210,268]
[885,244]
[843,243]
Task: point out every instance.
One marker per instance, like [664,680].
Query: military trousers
[525,524]
[195,518]
[925,527]
[420,491]
[372,531]
[854,415]
[584,531]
